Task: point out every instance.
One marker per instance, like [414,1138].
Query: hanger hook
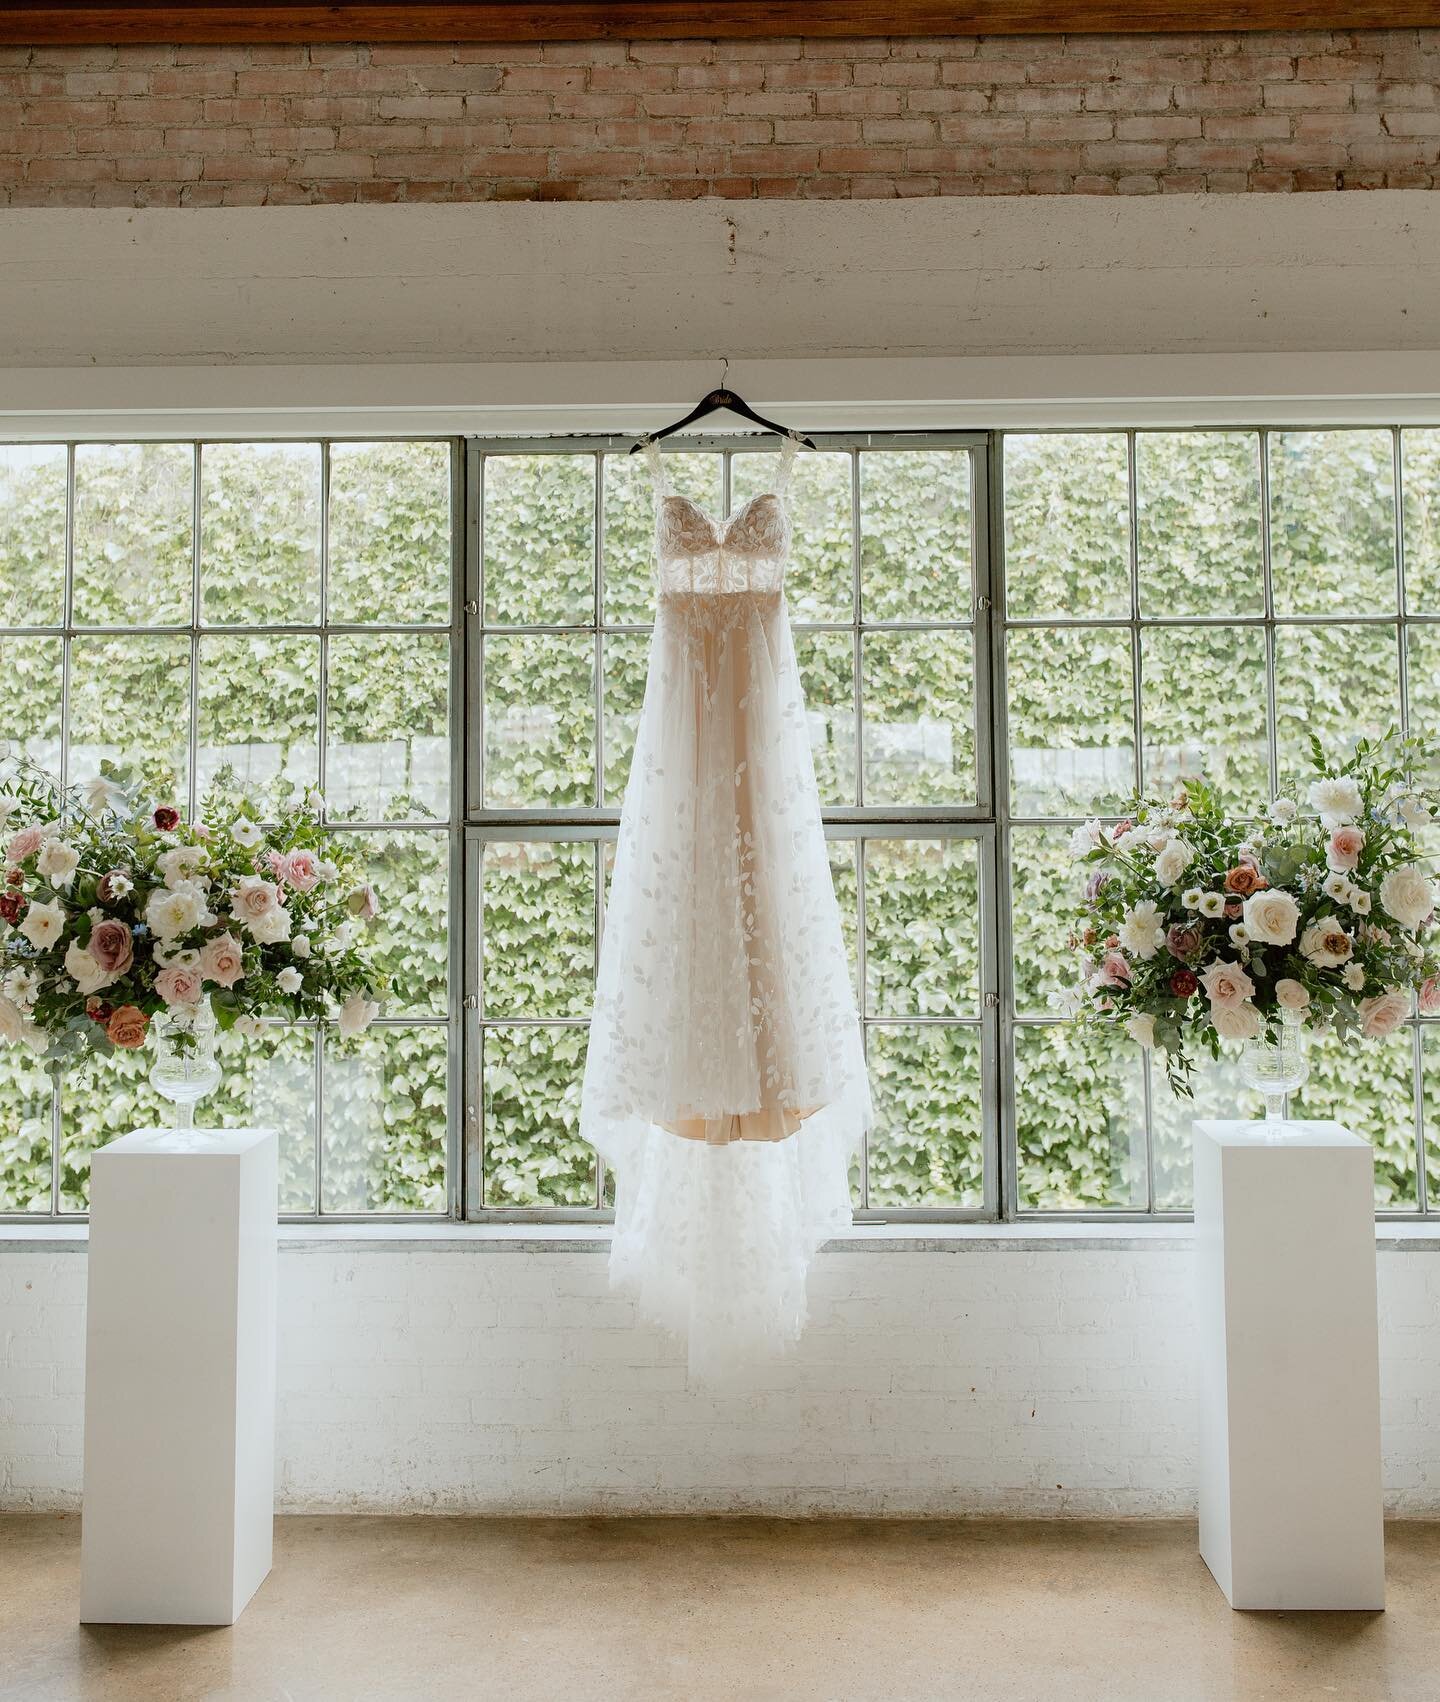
[724,369]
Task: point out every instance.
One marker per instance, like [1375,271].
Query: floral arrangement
[1198,927]
[112,914]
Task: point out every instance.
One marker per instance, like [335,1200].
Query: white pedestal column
[1290,1491]
[179,1378]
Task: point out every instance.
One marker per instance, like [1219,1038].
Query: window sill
[1026,1237]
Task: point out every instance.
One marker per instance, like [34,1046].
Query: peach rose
[254,899]
[1430,996]
[127,1028]
[25,844]
[301,869]
[1383,1014]
[363,903]
[112,946]
[1227,984]
[1343,852]
[222,960]
[1244,879]
[179,985]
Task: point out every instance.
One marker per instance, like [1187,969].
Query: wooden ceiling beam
[48,22]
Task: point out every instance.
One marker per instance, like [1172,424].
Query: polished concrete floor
[704,1609]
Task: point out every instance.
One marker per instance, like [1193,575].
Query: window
[999,634]
[283,609]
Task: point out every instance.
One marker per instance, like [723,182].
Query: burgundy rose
[167,818]
[1183,983]
[98,1010]
[111,946]
[12,907]
[1183,939]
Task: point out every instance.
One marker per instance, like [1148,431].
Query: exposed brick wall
[162,126]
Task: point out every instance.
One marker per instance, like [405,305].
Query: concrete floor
[760,1610]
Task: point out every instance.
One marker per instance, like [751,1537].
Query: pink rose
[1383,1014]
[222,960]
[1430,996]
[112,946]
[1227,984]
[301,869]
[254,899]
[25,844]
[1346,844]
[1183,940]
[178,985]
[1114,970]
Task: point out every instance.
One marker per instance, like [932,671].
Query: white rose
[1141,1029]
[273,928]
[1173,861]
[1408,896]
[1383,1014]
[58,862]
[1211,904]
[1337,799]
[1326,943]
[1291,995]
[174,911]
[1282,811]
[244,832]
[1236,1022]
[327,871]
[1272,917]
[289,981]
[356,1015]
[1353,976]
[181,864]
[83,970]
[1140,933]
[43,925]
[300,945]
[1082,840]
[8,807]
[12,1023]
[249,1026]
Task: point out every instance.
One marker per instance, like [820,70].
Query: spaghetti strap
[659,479]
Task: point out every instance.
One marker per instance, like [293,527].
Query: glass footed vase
[1276,1063]
[185,1067]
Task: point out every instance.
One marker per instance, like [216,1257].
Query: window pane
[25,1125]
[1067,524]
[625,660]
[827,682]
[922,927]
[1072,734]
[387,727]
[919,707]
[390,545]
[820,580]
[1332,522]
[1219,1092]
[1206,710]
[259,533]
[1430,1063]
[385,1119]
[538,927]
[533,1152]
[1080,1119]
[411,936]
[30,693]
[1045,884]
[629,565]
[915,550]
[130,705]
[1368,1086]
[269,1083]
[926,1147]
[32,534]
[134,513]
[539,537]
[1420,463]
[540,720]
[1424,684]
[1198,523]
[259,707]
[100,1100]
[1339,682]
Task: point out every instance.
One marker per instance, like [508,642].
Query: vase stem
[185,1114]
[1274,1107]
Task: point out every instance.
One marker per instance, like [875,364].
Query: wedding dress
[725,1082]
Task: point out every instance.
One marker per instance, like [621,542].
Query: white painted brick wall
[496,1379]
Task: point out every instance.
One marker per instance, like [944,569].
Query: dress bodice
[697,554]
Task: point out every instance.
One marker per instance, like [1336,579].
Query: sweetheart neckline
[715,522]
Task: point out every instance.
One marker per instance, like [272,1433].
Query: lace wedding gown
[725,1082]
